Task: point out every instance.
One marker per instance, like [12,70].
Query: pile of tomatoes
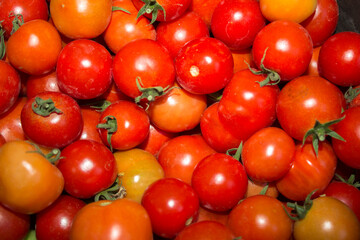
[178,119]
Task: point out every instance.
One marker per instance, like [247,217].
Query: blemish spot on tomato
[194,71]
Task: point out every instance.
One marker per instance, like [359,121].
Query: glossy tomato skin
[180,155]
[89,130]
[170,203]
[313,65]
[10,86]
[29,10]
[204,65]
[237,22]
[36,84]
[132,125]
[28,181]
[289,48]
[175,34]
[349,129]
[260,217]
[81,19]
[13,226]
[245,107]
[121,219]
[145,59]
[204,8]
[306,99]
[328,218]
[55,221]
[56,130]
[322,23]
[339,59]
[308,172]
[83,69]
[209,230]
[88,167]
[220,182]
[34,47]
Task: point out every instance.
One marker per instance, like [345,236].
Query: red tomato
[313,65]
[267,155]
[308,172]
[245,107]
[54,222]
[145,59]
[9,85]
[84,69]
[175,34]
[241,59]
[260,217]
[121,219]
[90,119]
[208,215]
[13,226]
[36,84]
[209,230]
[88,168]
[204,8]
[289,49]
[171,204]
[339,59]
[52,119]
[10,123]
[204,65]
[255,188]
[237,22]
[220,181]
[123,125]
[180,155]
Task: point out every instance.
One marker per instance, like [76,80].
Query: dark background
[349,16]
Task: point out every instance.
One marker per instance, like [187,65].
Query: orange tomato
[241,58]
[204,8]
[313,65]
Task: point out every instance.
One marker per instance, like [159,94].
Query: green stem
[44,107]
[111,126]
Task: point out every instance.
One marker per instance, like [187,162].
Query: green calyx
[273,78]
[116,191]
[114,8]
[237,151]
[151,6]
[17,21]
[53,156]
[101,105]
[111,126]
[320,131]
[216,96]
[44,107]
[351,94]
[2,42]
[299,211]
[350,181]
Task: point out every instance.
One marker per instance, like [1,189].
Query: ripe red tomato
[220,181]
[204,65]
[36,84]
[10,86]
[237,22]
[13,226]
[52,119]
[313,65]
[171,204]
[204,8]
[89,130]
[209,230]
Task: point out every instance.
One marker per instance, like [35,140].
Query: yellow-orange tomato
[81,18]
[28,181]
[292,10]
[241,59]
[138,169]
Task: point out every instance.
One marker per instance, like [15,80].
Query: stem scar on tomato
[111,126]
[116,191]
[151,6]
[44,107]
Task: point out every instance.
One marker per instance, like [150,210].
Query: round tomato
[10,85]
[36,84]
[255,188]
[10,122]
[313,65]
[204,8]
[89,130]
[209,230]
[13,226]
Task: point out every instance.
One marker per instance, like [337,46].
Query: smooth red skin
[308,172]
[13,226]
[260,217]
[339,59]
[10,85]
[306,99]
[155,140]
[113,94]
[55,130]
[173,9]
[175,34]
[132,125]
[180,155]
[30,10]
[267,155]
[84,69]
[170,203]
[215,133]
[88,167]
[237,22]
[245,107]
[10,123]
[55,221]
[313,65]
[346,193]
[289,48]
[91,119]
[209,230]
[204,65]
[42,83]
[349,129]
[144,58]
[220,182]
[322,23]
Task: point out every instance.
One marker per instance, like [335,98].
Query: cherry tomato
[255,188]
[28,181]
[89,130]
[313,65]
[209,230]
[10,123]
[36,84]
[241,59]
[171,204]
[121,219]
[204,8]
[13,226]
[204,65]
[208,215]
[88,168]
[10,85]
